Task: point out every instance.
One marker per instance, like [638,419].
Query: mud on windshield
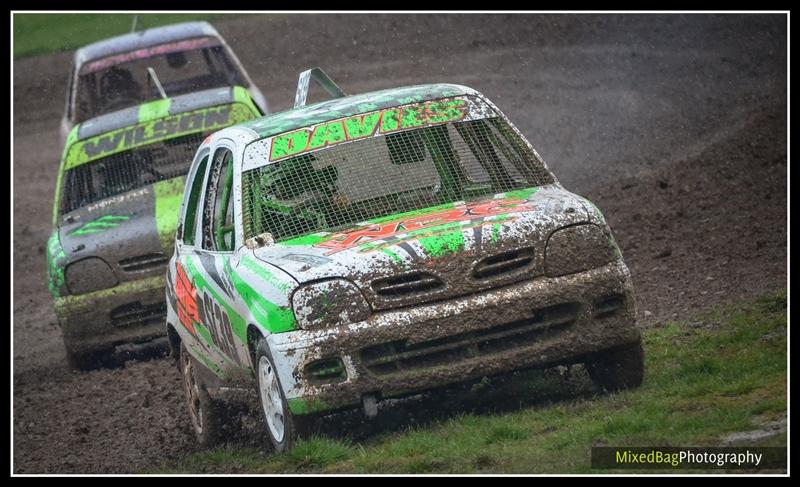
[345,184]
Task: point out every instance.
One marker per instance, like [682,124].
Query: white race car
[376,245]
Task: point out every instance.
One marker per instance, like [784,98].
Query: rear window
[348,183]
[121,81]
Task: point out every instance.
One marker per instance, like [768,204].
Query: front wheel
[203,410]
[618,368]
[283,427]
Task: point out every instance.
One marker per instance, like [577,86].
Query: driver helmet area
[118,88]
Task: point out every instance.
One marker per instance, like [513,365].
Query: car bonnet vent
[503,263]
[406,284]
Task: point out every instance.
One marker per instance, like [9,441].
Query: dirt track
[674,125]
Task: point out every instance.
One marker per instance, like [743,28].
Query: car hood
[448,244]
[133,232]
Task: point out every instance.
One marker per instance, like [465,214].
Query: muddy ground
[674,125]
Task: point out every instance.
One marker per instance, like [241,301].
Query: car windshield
[127,170]
[345,184]
[121,81]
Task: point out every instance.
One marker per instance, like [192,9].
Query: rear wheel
[618,368]
[283,428]
[204,412]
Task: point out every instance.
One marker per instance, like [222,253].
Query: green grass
[36,34]
[702,383]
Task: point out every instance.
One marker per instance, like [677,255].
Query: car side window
[218,207]
[190,220]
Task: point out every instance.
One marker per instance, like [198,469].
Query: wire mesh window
[128,170]
[344,184]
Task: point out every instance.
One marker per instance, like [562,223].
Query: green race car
[119,187]
[376,245]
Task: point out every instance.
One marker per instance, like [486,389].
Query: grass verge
[721,373]
[36,34]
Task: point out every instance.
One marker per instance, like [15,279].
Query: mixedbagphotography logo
[749,458]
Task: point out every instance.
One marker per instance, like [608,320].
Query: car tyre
[618,368]
[204,412]
[283,427]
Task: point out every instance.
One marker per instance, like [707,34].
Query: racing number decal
[348,239]
[199,307]
[214,317]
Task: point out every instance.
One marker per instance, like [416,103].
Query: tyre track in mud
[675,126]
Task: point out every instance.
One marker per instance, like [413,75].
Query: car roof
[279,122]
[157,109]
[142,39]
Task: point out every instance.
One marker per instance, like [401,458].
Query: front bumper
[540,322]
[130,312]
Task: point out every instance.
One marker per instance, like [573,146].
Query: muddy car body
[119,187]
[111,74]
[376,245]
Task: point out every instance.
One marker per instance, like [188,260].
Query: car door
[186,305]
[206,263]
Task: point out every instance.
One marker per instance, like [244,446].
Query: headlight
[87,275]
[329,303]
[577,248]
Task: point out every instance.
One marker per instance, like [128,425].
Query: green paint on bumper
[82,303]
[304,405]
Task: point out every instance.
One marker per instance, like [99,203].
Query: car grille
[417,287]
[144,262]
[400,356]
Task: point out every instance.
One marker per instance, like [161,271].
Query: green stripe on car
[169,194]
[443,244]
[271,317]
[238,325]
[153,110]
